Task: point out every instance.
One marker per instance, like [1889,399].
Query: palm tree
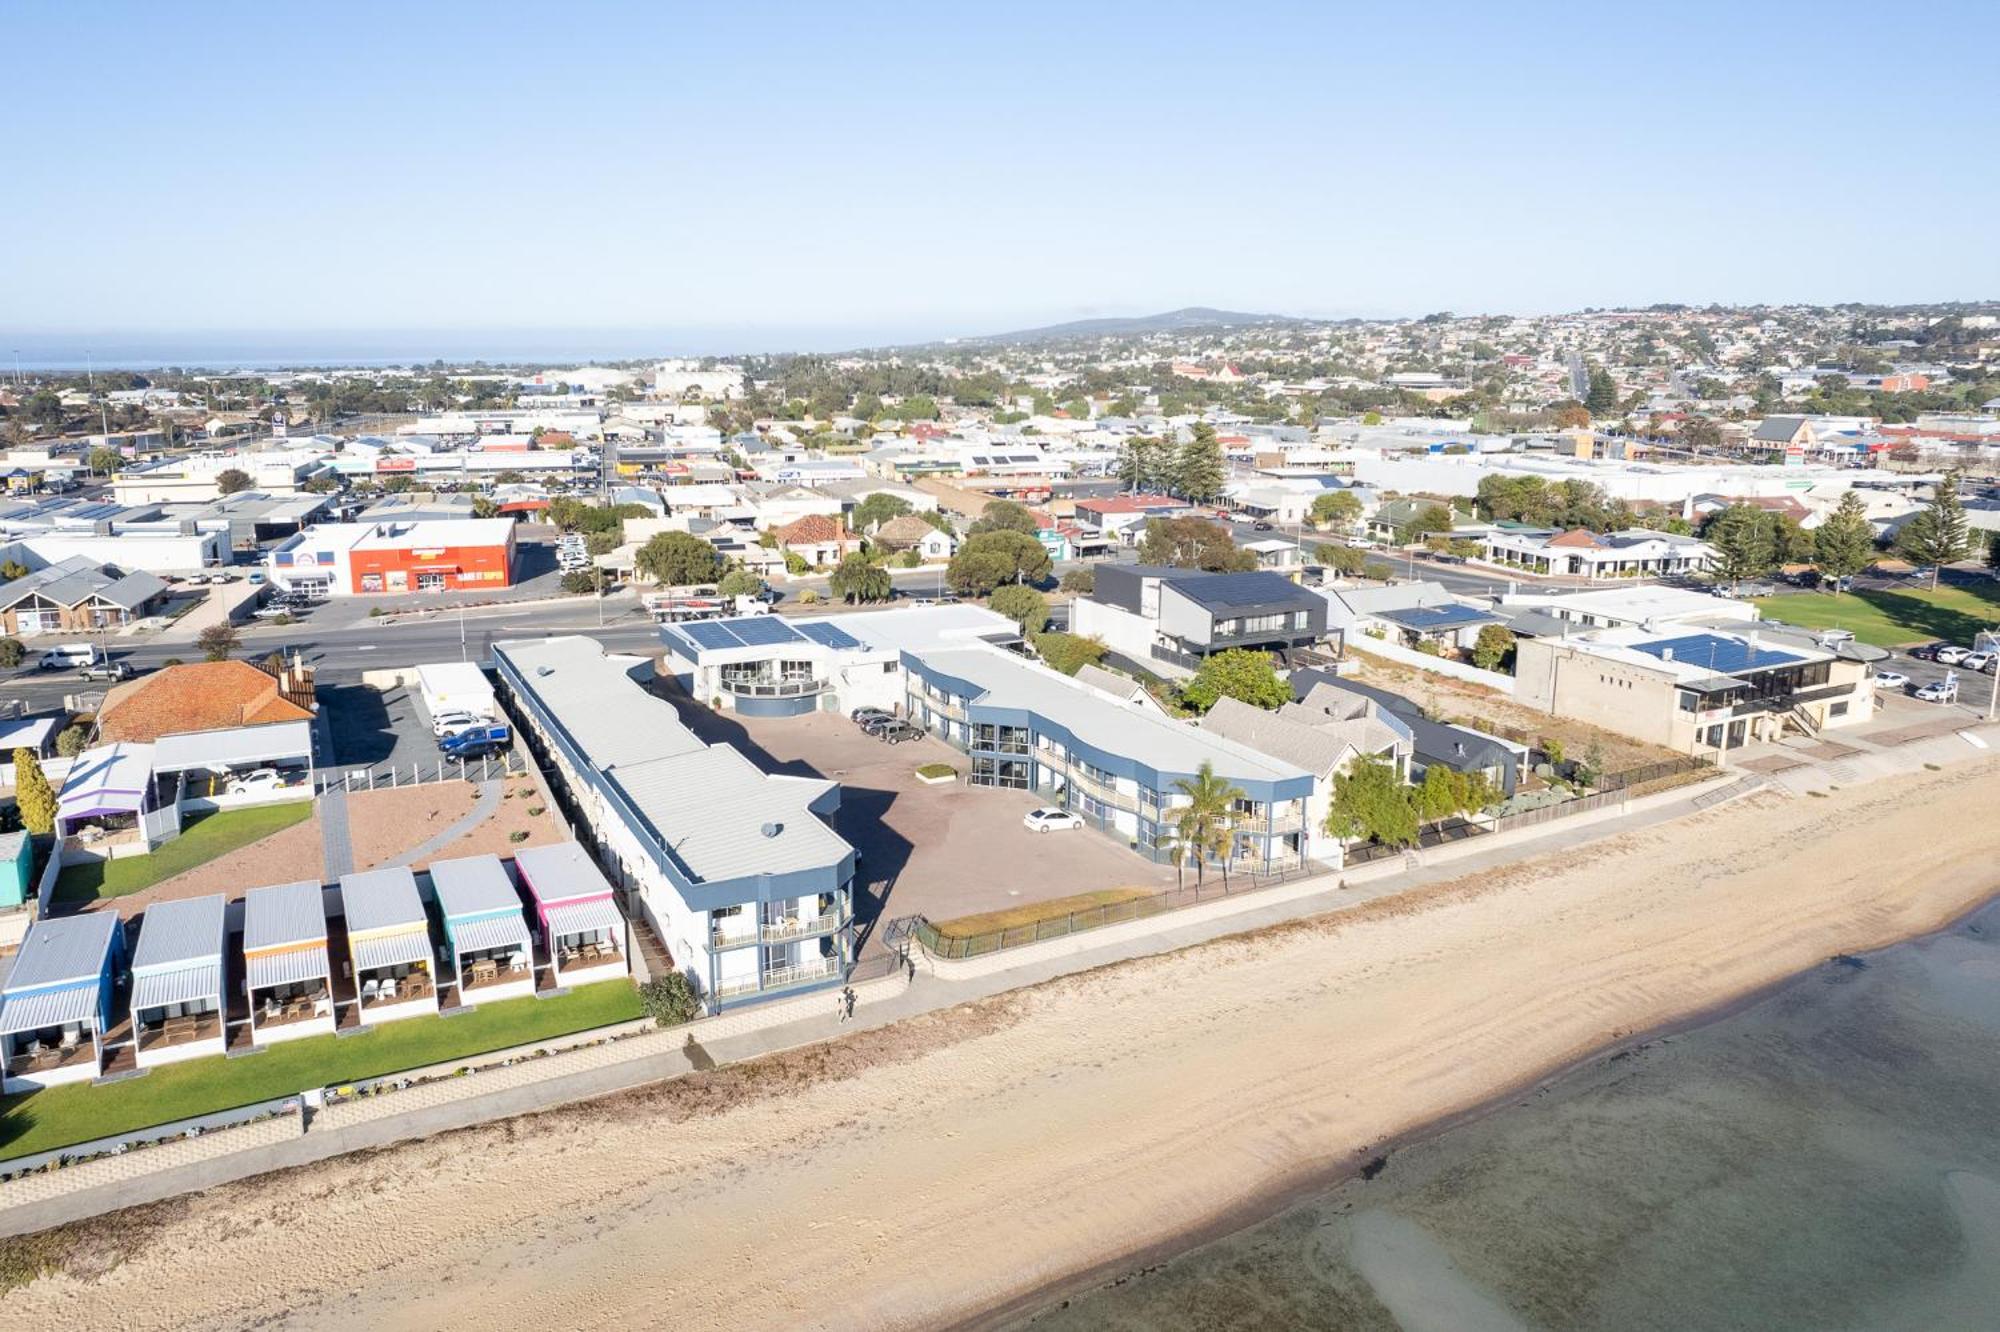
[1206,824]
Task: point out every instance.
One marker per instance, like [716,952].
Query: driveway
[939,851]
[371,727]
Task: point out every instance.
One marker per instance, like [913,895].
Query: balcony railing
[1110,796]
[779,978]
[775,931]
[770,689]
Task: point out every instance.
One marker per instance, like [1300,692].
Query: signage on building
[395,464]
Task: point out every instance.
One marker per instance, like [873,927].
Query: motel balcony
[775,979]
[776,931]
[37,1059]
[1105,793]
[268,1010]
[760,695]
[188,1029]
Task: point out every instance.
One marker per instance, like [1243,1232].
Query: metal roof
[1218,590]
[1715,652]
[477,936]
[560,872]
[234,747]
[585,917]
[288,968]
[381,899]
[1437,617]
[110,777]
[65,950]
[160,988]
[391,950]
[173,934]
[473,885]
[47,1008]
[576,681]
[284,913]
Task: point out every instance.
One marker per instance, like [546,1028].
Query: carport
[195,768]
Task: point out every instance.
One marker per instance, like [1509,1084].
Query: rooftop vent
[1666,654]
[545,670]
[772,829]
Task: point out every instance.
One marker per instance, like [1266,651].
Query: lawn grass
[965,927]
[62,1116]
[202,839]
[1894,619]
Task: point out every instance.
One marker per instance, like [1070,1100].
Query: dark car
[478,749]
[869,716]
[895,731]
[1928,651]
[476,741]
[1260,527]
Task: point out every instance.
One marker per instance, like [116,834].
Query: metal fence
[1626,778]
[393,775]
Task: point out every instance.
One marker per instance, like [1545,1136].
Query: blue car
[477,741]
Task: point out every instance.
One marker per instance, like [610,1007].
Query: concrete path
[336,841]
[482,810]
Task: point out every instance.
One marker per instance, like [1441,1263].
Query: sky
[742,174]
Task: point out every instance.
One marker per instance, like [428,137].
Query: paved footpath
[767,1029]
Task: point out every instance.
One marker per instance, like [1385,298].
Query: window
[1837,710]
[888,668]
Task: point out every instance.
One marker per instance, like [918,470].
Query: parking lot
[373,728]
[940,851]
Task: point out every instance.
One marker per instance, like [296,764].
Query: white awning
[587,918]
[157,989]
[288,968]
[392,950]
[477,936]
[49,1008]
[237,747]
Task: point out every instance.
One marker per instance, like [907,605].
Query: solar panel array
[1725,656]
[828,635]
[761,631]
[710,634]
[1239,589]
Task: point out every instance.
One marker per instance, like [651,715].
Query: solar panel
[1727,656]
[762,631]
[828,635]
[710,635]
[1238,589]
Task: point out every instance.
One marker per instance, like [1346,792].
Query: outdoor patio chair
[369,990]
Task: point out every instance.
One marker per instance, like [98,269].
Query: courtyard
[941,851]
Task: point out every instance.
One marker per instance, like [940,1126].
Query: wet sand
[966,1161]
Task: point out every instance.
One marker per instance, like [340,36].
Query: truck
[677,605]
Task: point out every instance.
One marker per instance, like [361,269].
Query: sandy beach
[926,1172]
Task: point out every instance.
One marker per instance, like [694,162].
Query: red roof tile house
[817,539]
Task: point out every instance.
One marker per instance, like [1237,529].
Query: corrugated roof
[194,696]
[477,936]
[287,968]
[560,872]
[159,988]
[233,747]
[391,950]
[109,777]
[472,885]
[284,913]
[63,950]
[586,917]
[381,899]
[174,933]
[47,1008]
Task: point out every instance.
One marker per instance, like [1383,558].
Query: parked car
[256,579]
[1928,651]
[873,725]
[1050,819]
[105,670]
[1891,680]
[277,610]
[258,781]
[1260,527]
[1978,661]
[1950,655]
[451,722]
[68,657]
[866,716]
[895,731]
[1944,691]
[477,741]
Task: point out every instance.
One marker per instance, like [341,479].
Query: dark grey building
[1195,613]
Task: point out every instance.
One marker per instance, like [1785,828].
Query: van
[68,657]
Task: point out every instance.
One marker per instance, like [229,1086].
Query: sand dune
[925,1172]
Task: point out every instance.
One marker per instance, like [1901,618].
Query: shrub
[808,597]
[670,999]
[374,611]
[517,835]
[937,770]
[1082,581]
[578,582]
[73,741]
[172,661]
[536,811]
[12,653]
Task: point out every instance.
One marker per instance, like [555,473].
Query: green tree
[231,480]
[1700,432]
[877,509]
[739,583]
[104,460]
[1142,463]
[669,999]
[32,793]
[1205,826]
[1023,605]
[991,558]
[1993,551]
[485,506]
[1428,520]
[218,641]
[1338,509]
[12,652]
[1492,648]
[12,569]
[1602,399]
[1003,516]
[1845,542]
[1068,653]
[1369,802]
[1938,533]
[1743,543]
[1198,466]
[73,740]
[1345,560]
[679,559]
[1193,543]
[1239,673]
[859,578]
[1080,581]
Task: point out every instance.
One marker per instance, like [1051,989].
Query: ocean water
[1828,1157]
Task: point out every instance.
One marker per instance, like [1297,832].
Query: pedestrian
[846,1003]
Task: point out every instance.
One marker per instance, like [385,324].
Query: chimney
[1666,654]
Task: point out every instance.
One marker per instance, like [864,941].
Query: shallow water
[1826,1158]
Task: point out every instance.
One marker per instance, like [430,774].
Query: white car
[1949,655]
[1891,680]
[258,781]
[1938,693]
[1049,819]
[451,723]
[1978,661]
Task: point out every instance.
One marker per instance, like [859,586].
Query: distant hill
[1173,321]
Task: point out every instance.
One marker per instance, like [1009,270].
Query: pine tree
[1198,470]
[1742,541]
[1845,542]
[1602,398]
[37,802]
[1938,534]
